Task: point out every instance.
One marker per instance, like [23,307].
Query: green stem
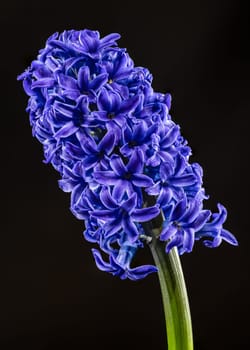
[174,295]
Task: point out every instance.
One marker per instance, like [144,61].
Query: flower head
[118,152]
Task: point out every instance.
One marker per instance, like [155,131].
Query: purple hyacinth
[119,153]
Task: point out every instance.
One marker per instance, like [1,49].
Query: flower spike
[117,150]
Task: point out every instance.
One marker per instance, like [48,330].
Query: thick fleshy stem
[174,293]
[174,296]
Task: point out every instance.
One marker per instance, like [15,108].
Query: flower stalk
[173,289]
[174,297]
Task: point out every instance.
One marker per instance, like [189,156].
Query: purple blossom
[125,178]
[120,265]
[118,152]
[214,231]
[122,215]
[84,84]
[138,136]
[185,218]
[97,155]
[174,179]
[113,111]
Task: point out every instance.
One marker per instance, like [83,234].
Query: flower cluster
[118,152]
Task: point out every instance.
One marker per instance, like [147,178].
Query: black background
[52,295]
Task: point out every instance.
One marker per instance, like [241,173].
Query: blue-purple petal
[106,177]
[188,239]
[129,105]
[117,165]
[100,263]
[135,164]
[140,272]
[165,196]
[145,214]
[129,204]
[183,180]
[43,83]
[83,78]
[106,198]
[142,180]
[107,143]
[67,82]
[67,130]
[118,190]
[103,214]
[130,229]
[168,232]
[171,136]
[202,218]
[180,209]
[98,82]
[228,237]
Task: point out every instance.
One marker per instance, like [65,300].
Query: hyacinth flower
[124,161]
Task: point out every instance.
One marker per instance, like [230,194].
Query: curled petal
[107,143]
[100,263]
[112,227]
[106,243]
[106,177]
[175,242]
[43,83]
[118,190]
[60,45]
[145,214]
[91,235]
[83,78]
[183,180]
[103,214]
[170,137]
[220,218]
[90,161]
[117,165]
[180,209]
[154,190]
[165,196]
[130,229]
[201,219]
[129,105]
[89,146]
[188,239]
[107,200]
[213,243]
[141,180]
[140,130]
[108,101]
[66,185]
[89,40]
[192,212]
[228,237]
[166,170]
[67,82]
[67,130]
[168,232]
[180,164]
[109,39]
[140,272]
[135,164]
[98,82]
[64,109]
[130,203]
[76,193]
